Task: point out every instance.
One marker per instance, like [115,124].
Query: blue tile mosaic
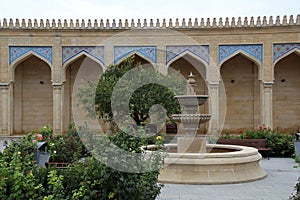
[15,52]
[201,51]
[69,52]
[254,50]
[121,52]
[280,50]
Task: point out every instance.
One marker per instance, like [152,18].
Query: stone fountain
[190,119]
[193,161]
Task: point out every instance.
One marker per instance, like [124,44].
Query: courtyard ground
[278,185]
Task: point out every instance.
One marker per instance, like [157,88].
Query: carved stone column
[214,107]
[267,104]
[4,108]
[57,108]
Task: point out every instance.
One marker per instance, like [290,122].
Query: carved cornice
[142,24]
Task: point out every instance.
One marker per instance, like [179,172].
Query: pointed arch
[249,57]
[186,63]
[32,103]
[240,76]
[132,53]
[285,92]
[77,57]
[77,72]
[146,52]
[23,58]
[185,55]
[294,50]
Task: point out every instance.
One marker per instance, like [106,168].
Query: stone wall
[255,53]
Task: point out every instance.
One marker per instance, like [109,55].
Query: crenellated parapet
[145,24]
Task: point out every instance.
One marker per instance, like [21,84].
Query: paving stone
[278,185]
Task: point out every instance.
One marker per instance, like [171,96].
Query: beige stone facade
[258,61]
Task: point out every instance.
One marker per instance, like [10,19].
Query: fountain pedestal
[191,145]
[190,142]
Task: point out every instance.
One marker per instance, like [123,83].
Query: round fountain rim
[191,95]
[191,115]
[240,151]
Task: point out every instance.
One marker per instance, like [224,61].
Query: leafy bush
[91,179]
[281,144]
[296,196]
[17,180]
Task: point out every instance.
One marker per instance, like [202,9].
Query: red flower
[74,129]
[40,137]
[241,131]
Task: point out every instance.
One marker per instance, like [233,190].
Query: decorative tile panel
[122,52]
[16,52]
[254,50]
[280,50]
[68,52]
[201,51]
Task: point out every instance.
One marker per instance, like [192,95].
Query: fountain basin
[191,100]
[195,119]
[239,164]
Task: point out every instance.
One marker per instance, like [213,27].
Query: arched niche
[286,93]
[241,80]
[32,95]
[78,73]
[186,64]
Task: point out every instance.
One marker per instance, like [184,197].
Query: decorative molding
[69,52]
[121,52]
[4,85]
[16,52]
[57,84]
[281,50]
[253,50]
[268,84]
[200,51]
[142,24]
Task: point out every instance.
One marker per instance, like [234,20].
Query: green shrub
[92,179]
[17,180]
[281,144]
[296,196]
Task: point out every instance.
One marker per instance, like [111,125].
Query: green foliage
[91,179]
[16,172]
[55,187]
[140,101]
[63,148]
[281,144]
[296,196]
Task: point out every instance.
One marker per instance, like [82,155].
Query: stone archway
[89,68]
[137,59]
[33,95]
[186,64]
[286,93]
[240,77]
